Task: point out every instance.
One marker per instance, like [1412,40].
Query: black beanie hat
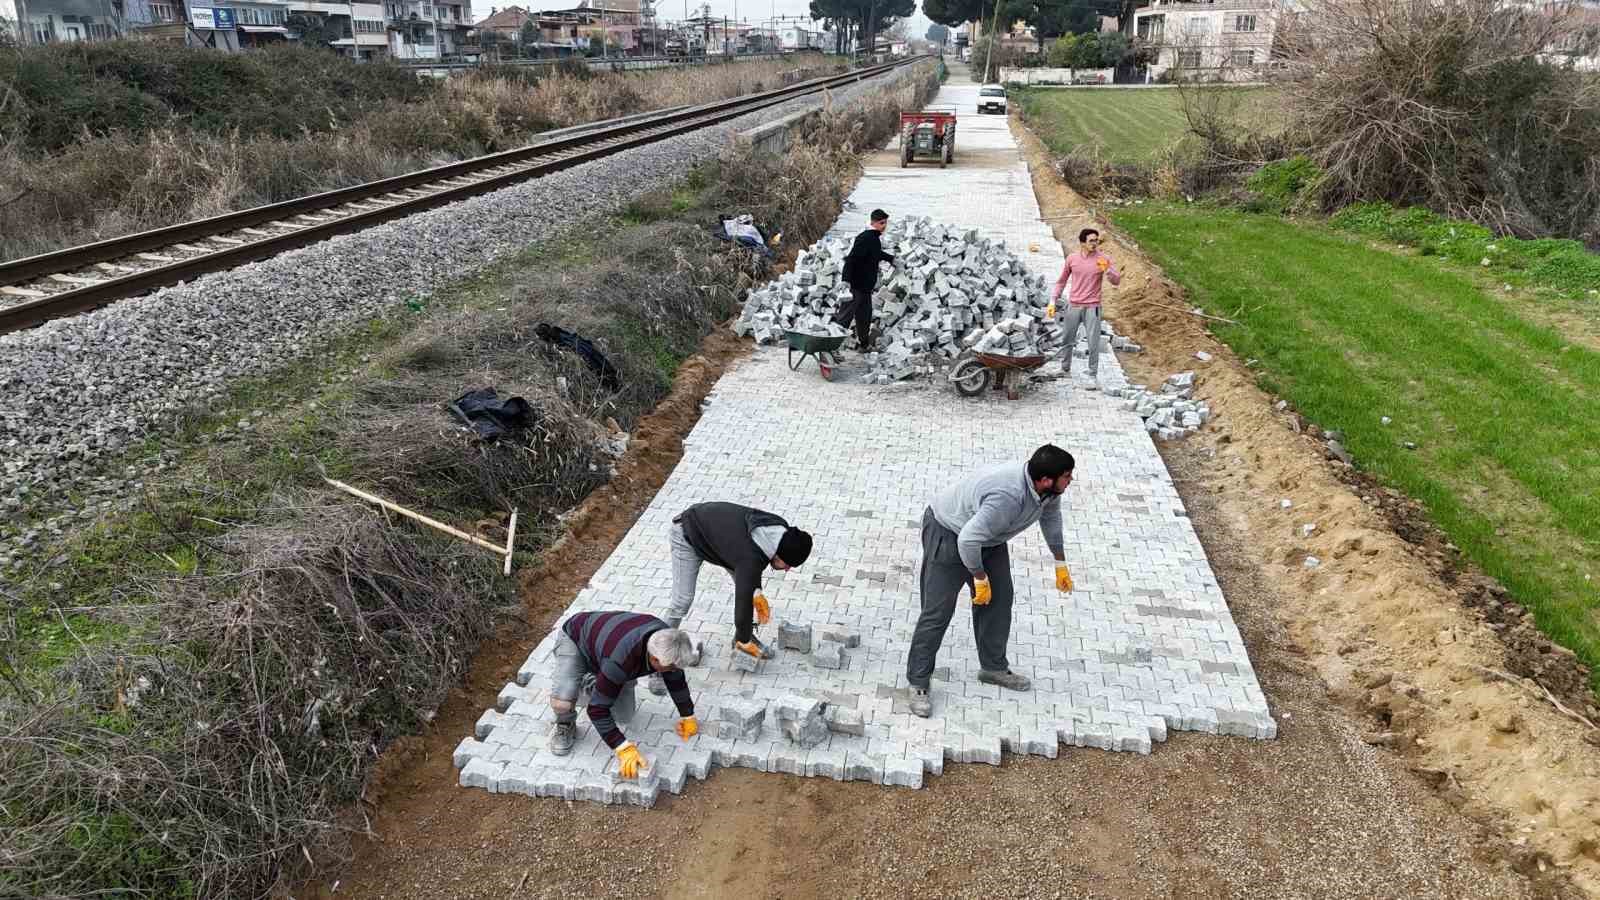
[795,547]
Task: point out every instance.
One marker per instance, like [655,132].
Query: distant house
[56,21]
[1230,40]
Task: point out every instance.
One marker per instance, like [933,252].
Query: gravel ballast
[75,393]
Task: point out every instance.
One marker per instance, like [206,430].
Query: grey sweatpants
[1089,317]
[685,575]
[943,577]
[571,682]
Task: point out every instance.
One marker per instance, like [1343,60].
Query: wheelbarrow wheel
[971,378]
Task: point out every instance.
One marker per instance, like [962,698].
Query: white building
[53,21]
[423,29]
[1227,39]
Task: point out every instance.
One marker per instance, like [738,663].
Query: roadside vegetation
[1490,413]
[104,139]
[190,693]
[1400,233]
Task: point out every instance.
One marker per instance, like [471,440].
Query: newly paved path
[1143,645]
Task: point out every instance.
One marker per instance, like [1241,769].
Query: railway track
[66,282]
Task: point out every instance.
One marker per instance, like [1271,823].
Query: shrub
[1281,185]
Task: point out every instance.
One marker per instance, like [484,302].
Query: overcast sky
[752,11]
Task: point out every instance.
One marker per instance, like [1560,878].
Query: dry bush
[1455,106]
[199,758]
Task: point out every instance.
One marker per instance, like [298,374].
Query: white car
[992,97]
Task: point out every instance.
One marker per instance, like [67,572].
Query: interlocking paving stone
[1144,645]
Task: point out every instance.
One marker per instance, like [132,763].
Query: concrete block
[555,783]
[519,780]
[788,760]
[745,718]
[807,732]
[830,655]
[696,763]
[842,634]
[672,776]
[468,750]
[795,706]
[794,637]
[903,772]
[744,662]
[826,764]
[845,721]
[1041,742]
[866,767]
[594,787]
[511,693]
[481,773]
[1130,739]
[487,723]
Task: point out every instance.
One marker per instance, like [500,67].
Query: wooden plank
[191,248]
[115,269]
[230,241]
[22,292]
[156,257]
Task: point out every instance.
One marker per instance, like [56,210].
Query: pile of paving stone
[1171,411]
[950,290]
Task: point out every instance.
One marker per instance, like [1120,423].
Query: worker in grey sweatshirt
[964,542]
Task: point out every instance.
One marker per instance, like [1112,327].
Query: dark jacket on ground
[721,534]
[613,648]
[861,263]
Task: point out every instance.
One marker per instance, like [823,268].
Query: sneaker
[1094,382]
[921,703]
[1007,679]
[657,684]
[754,647]
[563,737]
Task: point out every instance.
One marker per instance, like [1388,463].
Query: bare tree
[1464,106]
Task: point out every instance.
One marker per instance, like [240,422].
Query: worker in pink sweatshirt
[1082,273]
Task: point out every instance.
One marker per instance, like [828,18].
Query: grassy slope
[1503,410]
[1131,126]
[1128,125]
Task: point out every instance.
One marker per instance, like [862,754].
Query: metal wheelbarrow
[980,371]
[821,346]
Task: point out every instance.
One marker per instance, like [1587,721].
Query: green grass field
[1503,410]
[1127,125]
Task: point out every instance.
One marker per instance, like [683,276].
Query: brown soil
[1390,602]
[1315,813]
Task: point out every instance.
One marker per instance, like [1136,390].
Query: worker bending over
[964,535]
[744,541]
[616,648]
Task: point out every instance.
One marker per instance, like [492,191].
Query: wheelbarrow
[821,346]
[975,374]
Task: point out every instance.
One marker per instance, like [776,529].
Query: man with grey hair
[615,649]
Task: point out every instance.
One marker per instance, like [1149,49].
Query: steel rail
[566,153]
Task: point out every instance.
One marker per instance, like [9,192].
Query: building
[423,29]
[53,21]
[1230,40]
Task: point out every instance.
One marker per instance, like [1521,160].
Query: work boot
[754,647]
[1094,382]
[657,684]
[563,737]
[921,703]
[1007,679]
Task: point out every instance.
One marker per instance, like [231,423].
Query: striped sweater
[613,648]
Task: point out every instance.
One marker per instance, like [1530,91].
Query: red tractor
[929,134]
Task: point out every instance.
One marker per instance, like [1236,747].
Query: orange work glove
[629,760]
[763,610]
[688,727]
[981,593]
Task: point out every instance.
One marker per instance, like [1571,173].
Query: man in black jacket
[861,273]
[744,541]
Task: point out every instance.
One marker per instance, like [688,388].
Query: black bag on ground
[490,416]
[597,362]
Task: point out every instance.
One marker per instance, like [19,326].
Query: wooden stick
[1191,312]
[431,523]
[511,542]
